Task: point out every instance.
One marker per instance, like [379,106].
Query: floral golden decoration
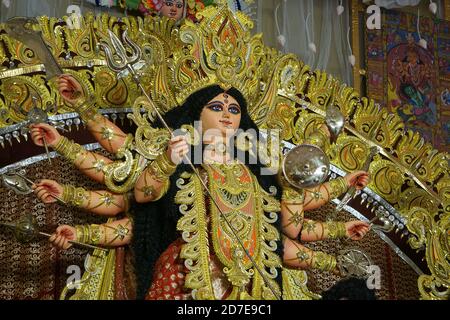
[281,92]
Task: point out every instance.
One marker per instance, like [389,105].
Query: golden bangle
[68,149]
[96,232]
[89,234]
[87,110]
[338,186]
[166,164]
[162,168]
[336,229]
[292,195]
[323,261]
[79,233]
[74,196]
[82,232]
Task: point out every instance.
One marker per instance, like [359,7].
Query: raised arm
[110,136]
[99,202]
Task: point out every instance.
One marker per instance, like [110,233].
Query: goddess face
[172,9]
[221,114]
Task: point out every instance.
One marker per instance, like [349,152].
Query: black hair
[154,226]
[350,289]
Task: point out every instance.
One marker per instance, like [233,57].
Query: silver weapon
[25,230]
[26,30]
[16,183]
[305,166]
[351,192]
[20,184]
[36,116]
[335,121]
[122,63]
[353,262]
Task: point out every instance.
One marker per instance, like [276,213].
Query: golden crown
[218,50]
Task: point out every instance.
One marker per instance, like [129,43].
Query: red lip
[226,122]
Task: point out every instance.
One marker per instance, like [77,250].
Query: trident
[126,64]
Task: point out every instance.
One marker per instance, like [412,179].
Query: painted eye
[234,110]
[179,6]
[216,107]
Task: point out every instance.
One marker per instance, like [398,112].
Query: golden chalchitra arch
[282,92]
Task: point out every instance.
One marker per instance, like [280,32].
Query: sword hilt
[352,191]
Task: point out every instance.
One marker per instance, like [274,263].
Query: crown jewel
[218,50]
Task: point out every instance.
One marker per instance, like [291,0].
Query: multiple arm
[99,202]
[295,226]
[110,136]
[155,179]
[89,163]
[153,183]
[297,229]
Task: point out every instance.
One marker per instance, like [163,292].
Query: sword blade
[21,29]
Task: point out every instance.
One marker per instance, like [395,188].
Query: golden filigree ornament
[220,50]
[128,61]
[216,51]
[434,236]
[281,91]
[193,225]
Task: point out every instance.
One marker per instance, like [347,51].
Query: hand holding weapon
[25,30]
[122,63]
[36,116]
[25,230]
[20,184]
[352,190]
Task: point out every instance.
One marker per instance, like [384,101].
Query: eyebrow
[214,102]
